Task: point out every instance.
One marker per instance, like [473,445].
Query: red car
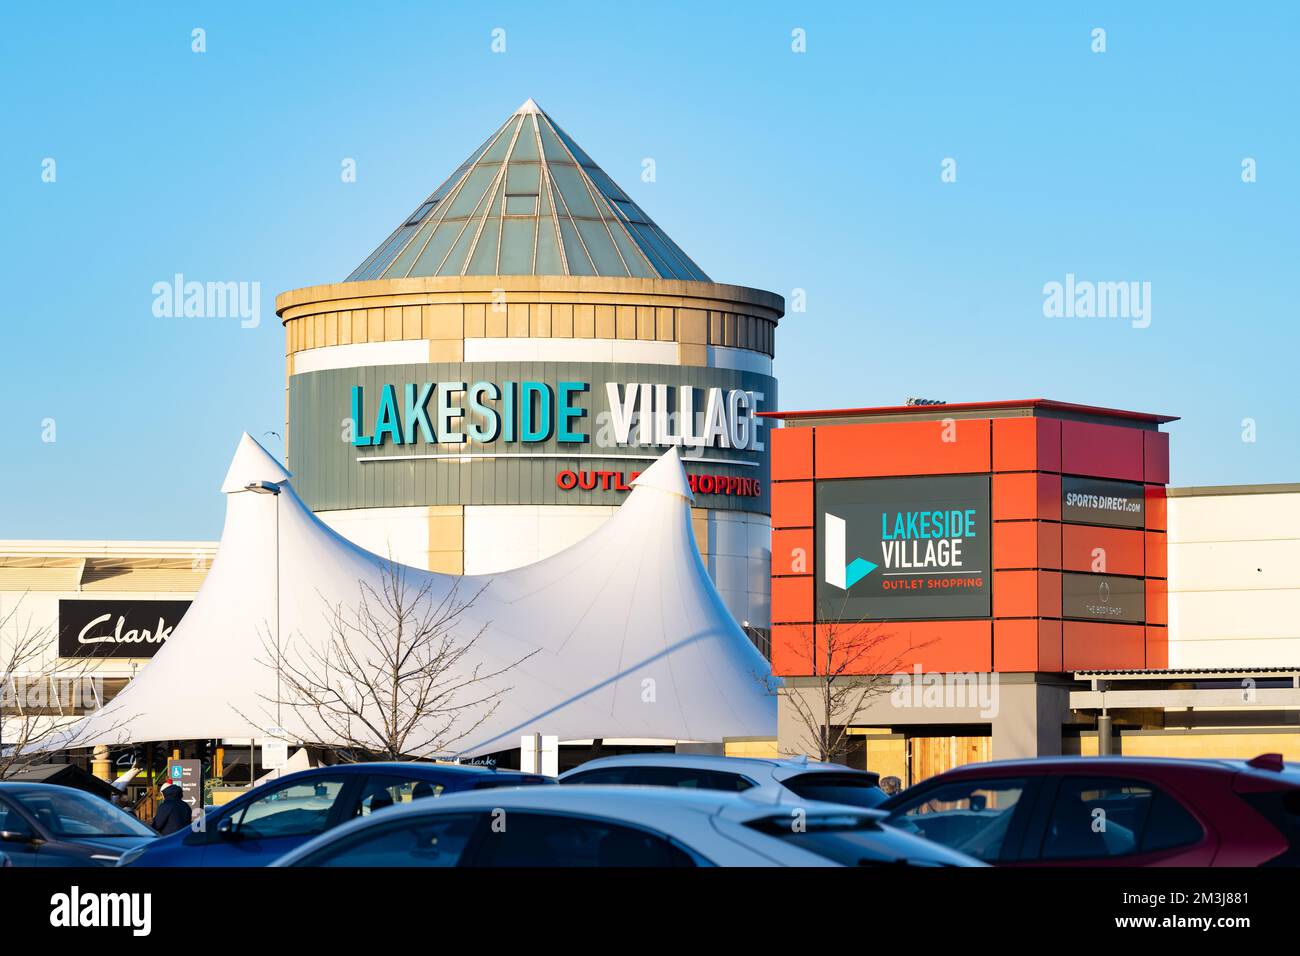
[1111,811]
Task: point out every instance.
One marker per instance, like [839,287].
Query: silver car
[616,826]
[777,780]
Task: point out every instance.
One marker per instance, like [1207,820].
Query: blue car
[49,825]
[269,821]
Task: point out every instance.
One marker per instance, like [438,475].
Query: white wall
[400,533]
[1234,578]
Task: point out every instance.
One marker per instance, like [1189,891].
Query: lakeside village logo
[635,415]
[532,412]
[915,542]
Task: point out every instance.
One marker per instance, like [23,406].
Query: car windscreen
[851,789]
[848,840]
[73,813]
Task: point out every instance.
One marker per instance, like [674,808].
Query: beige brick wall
[403,317]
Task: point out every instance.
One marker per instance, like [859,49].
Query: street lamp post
[269,488]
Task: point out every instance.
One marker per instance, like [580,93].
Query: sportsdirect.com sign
[903,548]
[1117,504]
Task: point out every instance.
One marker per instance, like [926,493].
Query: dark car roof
[1112,763]
[13,786]
[413,766]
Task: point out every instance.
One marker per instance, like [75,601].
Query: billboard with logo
[509,433]
[91,628]
[903,548]
[1103,597]
[1116,504]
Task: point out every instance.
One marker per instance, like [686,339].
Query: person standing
[173,813]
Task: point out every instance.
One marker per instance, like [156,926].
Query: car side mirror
[227,830]
[17,836]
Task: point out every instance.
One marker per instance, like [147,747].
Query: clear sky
[818,171]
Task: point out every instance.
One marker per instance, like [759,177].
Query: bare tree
[42,695]
[849,664]
[395,678]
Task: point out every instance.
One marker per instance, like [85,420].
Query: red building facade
[1022,536]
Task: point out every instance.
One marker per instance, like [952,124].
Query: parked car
[267,822]
[618,826]
[775,779]
[1111,811]
[45,824]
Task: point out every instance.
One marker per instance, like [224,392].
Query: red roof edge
[1046,404]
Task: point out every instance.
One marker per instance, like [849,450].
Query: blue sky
[818,171]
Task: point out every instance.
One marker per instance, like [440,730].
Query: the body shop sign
[903,548]
[90,628]
[1103,597]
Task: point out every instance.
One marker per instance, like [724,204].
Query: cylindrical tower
[481,391]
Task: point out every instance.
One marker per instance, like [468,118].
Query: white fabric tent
[631,638]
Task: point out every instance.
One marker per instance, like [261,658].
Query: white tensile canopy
[627,635]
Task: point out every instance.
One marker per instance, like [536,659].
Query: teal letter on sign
[568,411]
[535,428]
[491,426]
[447,411]
[509,415]
[387,422]
[359,437]
[417,414]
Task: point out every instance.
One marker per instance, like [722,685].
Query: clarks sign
[117,628]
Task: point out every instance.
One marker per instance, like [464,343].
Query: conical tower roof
[529,201]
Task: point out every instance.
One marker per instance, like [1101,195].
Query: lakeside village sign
[528,414]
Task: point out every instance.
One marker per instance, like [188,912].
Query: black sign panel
[116,628]
[1118,504]
[903,548]
[1103,597]
[188,775]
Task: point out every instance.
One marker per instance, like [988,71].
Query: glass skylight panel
[551,148]
[526,145]
[523,177]
[497,151]
[636,262]
[471,194]
[417,217]
[548,249]
[406,258]
[484,260]
[574,191]
[436,250]
[517,246]
[521,205]
[601,248]
[579,264]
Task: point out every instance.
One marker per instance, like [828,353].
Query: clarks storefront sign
[90,628]
[498,433]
